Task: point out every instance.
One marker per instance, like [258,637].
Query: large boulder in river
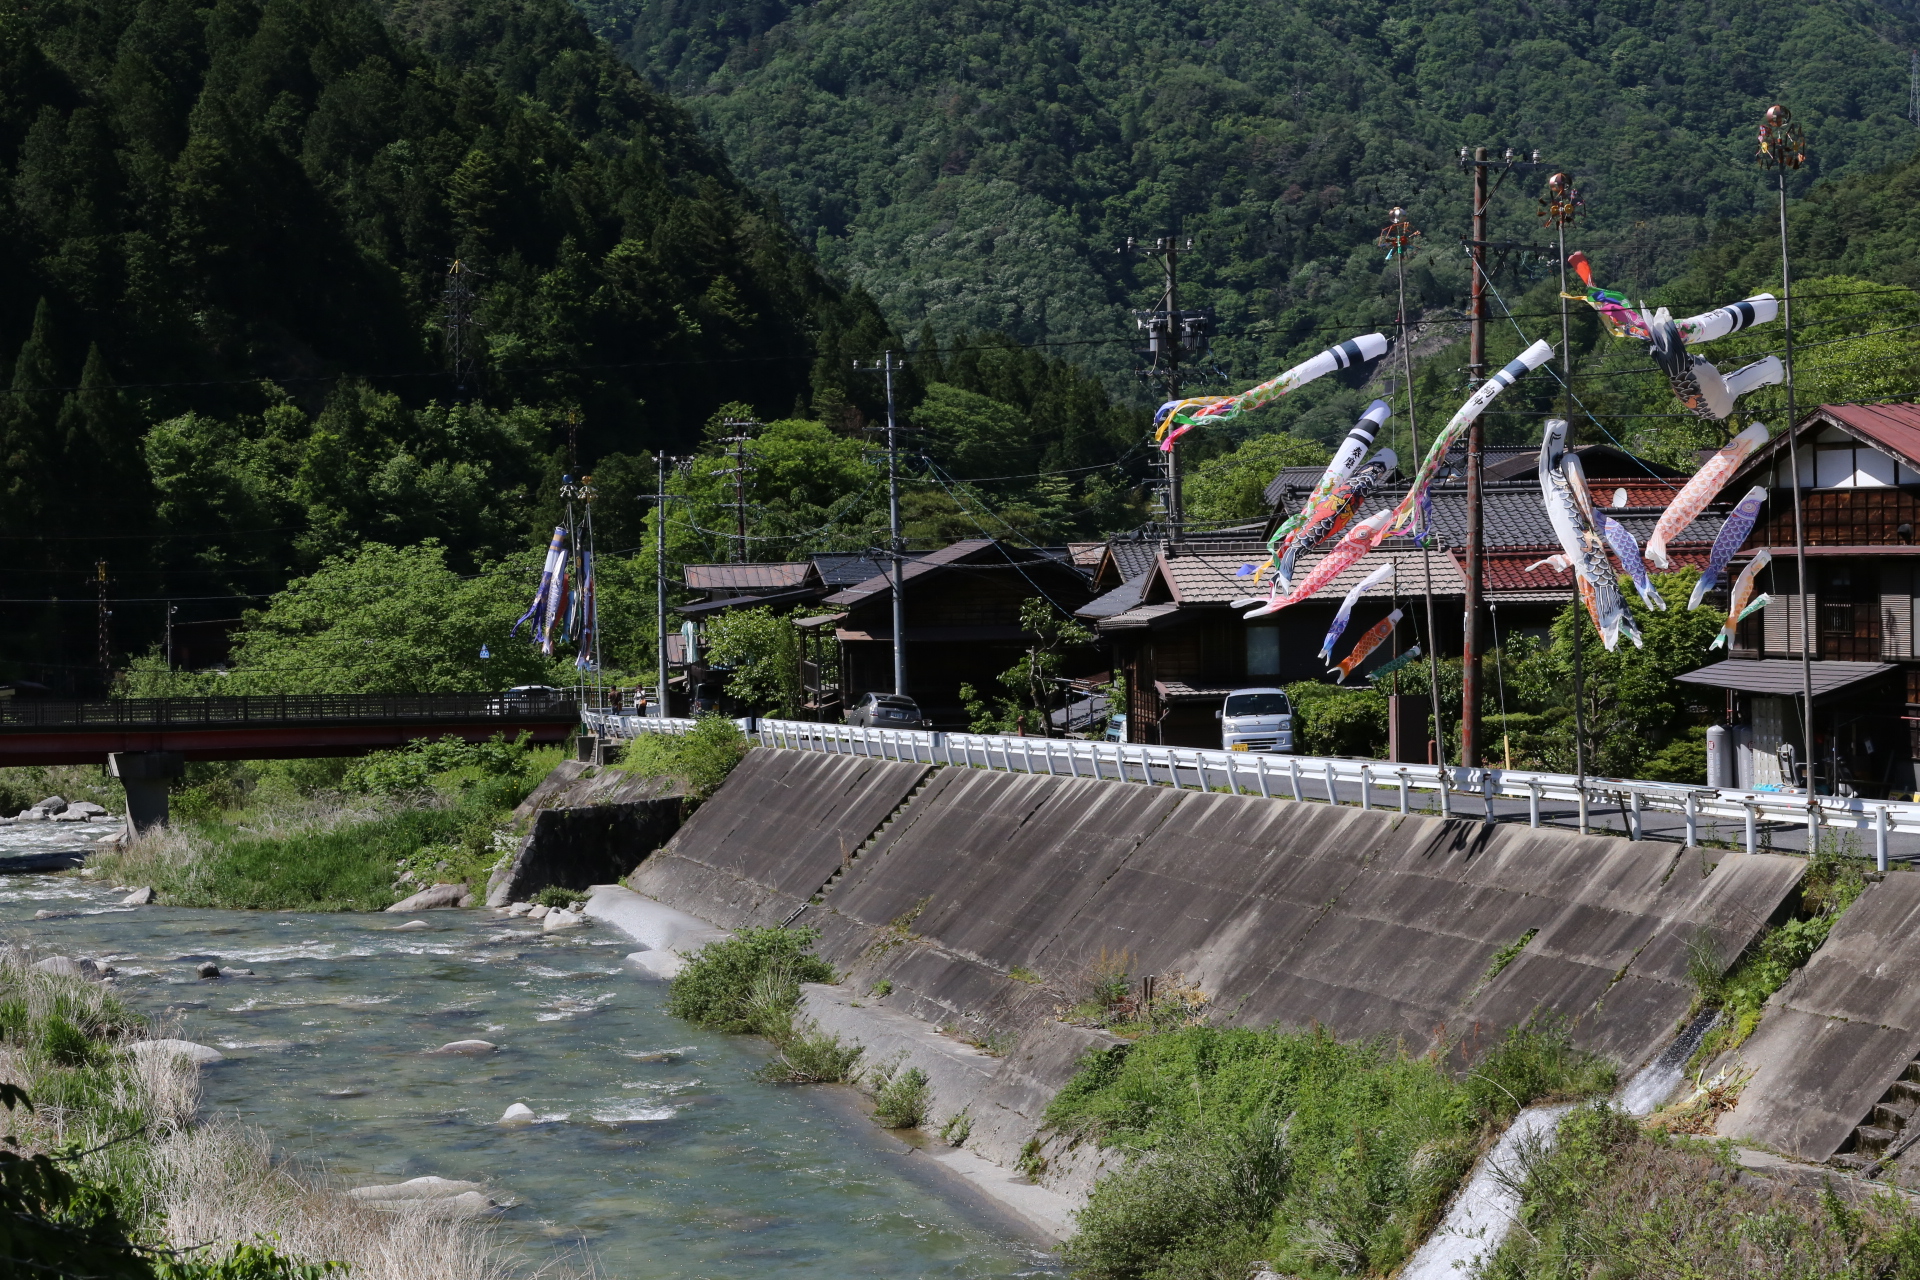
[439,895]
[589,824]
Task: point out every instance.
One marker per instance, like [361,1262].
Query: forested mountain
[976,163]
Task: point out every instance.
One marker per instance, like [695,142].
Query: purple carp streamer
[1627,552]
[1354,357]
[1363,647]
[1529,360]
[1743,602]
[1734,532]
[1699,491]
[547,595]
[1563,488]
[1367,583]
[1359,540]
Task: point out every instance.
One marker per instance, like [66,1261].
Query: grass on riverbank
[114,1177]
[1612,1199]
[1326,1159]
[700,760]
[357,838]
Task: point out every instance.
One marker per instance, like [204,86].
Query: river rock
[518,1113]
[68,967]
[411,924]
[51,805]
[198,1054]
[538,912]
[138,898]
[562,920]
[439,895]
[428,1188]
[468,1204]
[31,815]
[208,969]
[519,908]
[467,1048]
[87,808]
[70,815]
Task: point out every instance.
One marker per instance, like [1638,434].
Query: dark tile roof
[846,569]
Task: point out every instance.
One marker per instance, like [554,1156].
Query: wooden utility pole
[1476,442]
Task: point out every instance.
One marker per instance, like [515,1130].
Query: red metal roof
[765,576]
[1894,426]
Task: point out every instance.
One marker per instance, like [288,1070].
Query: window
[1263,651]
[1258,704]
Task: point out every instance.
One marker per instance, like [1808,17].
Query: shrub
[812,1056]
[900,1098]
[700,760]
[957,1129]
[555,896]
[717,988]
[1332,720]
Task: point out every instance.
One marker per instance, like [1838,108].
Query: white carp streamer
[1563,488]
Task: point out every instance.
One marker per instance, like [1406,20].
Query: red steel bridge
[55,731]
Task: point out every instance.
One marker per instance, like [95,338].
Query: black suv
[887,711]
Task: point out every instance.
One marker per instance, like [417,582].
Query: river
[655,1154]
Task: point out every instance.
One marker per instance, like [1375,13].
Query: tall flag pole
[1557,210]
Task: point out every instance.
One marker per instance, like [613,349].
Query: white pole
[1880,838]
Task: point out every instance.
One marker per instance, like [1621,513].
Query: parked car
[1256,720]
[887,711]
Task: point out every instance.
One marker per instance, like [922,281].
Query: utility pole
[1913,87]
[660,498]
[171,610]
[106,649]
[896,545]
[462,345]
[1557,211]
[742,434]
[1173,336]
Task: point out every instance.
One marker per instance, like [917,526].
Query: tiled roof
[744,579]
[1513,516]
[1134,556]
[983,552]
[1087,554]
[1119,600]
[846,569]
[1140,617]
[1208,580]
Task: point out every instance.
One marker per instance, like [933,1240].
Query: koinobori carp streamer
[1527,361]
[1365,585]
[1345,459]
[1570,512]
[1358,541]
[1353,358]
[1627,552]
[1338,511]
[1739,524]
[1743,601]
[547,597]
[1375,636]
[1701,490]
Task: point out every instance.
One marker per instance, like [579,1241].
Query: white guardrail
[1292,777]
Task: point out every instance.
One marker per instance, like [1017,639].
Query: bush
[497,773]
[722,985]
[812,1056]
[1329,720]
[1325,1158]
[901,1099]
[700,760]
[555,896]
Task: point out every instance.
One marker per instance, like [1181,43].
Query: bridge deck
[57,731]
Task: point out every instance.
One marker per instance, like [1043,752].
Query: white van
[1256,720]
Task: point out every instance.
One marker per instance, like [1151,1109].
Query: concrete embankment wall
[987,899]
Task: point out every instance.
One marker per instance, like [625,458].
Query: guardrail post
[1026,755]
[1753,827]
[1693,820]
[1260,776]
[1813,824]
[1533,803]
[1880,838]
[1486,794]
[1633,822]
[1293,772]
[1366,788]
[1333,797]
[1446,794]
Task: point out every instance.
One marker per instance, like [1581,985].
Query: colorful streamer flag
[1627,552]
[1367,583]
[552,576]
[1734,532]
[1338,511]
[1386,669]
[1563,488]
[1622,321]
[1345,459]
[1358,541]
[1743,602]
[1699,491]
[1353,360]
[1363,647]
[1527,361]
[585,626]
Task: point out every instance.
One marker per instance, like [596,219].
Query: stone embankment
[968,910]
[586,825]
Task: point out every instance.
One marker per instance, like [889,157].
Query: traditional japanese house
[1859,487]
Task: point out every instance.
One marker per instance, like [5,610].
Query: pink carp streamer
[1563,488]
[1701,490]
[1529,360]
[1359,540]
[1627,552]
[1734,532]
[1367,583]
[1354,358]
[1363,647]
[1743,601]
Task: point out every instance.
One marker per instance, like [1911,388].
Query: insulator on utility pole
[1174,338]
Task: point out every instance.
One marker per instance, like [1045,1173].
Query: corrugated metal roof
[849,568]
[1119,600]
[1896,426]
[1783,675]
[743,579]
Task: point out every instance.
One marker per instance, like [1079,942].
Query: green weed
[812,1056]
[725,984]
[555,896]
[700,760]
[957,1129]
[884,987]
[900,1098]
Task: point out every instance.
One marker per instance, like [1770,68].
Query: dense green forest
[977,163]
[225,311]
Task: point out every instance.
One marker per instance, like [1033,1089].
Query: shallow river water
[655,1153]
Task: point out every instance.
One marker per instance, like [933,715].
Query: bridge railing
[1379,784]
[55,713]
